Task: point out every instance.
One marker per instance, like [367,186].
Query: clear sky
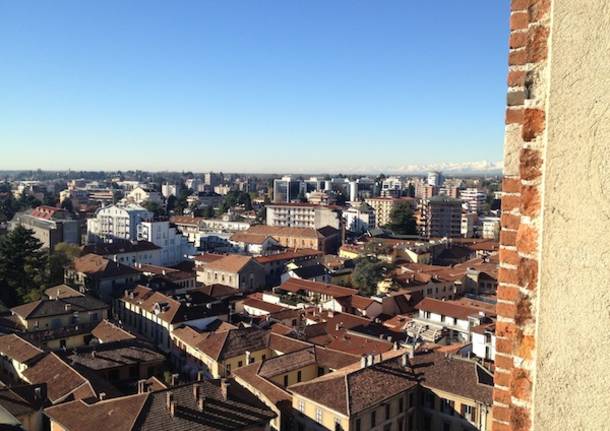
[252,85]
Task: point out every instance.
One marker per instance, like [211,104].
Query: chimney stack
[141,386]
[172,409]
[175,379]
[169,399]
[201,403]
[199,376]
[224,388]
[196,391]
[363,361]
[102,396]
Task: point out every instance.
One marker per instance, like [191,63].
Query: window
[320,371]
[263,357]
[427,423]
[319,415]
[228,368]
[298,376]
[251,360]
[387,411]
[286,380]
[62,344]
[401,405]
[430,400]
[133,372]
[411,399]
[446,426]
[240,364]
[387,427]
[373,418]
[358,425]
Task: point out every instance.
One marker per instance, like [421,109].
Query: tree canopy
[367,273]
[402,220]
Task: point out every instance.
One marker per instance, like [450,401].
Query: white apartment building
[484,341]
[474,198]
[175,247]
[116,221]
[303,215]
[435,178]
[490,227]
[391,187]
[468,222]
[168,189]
[139,195]
[359,219]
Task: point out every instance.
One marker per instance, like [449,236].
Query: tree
[58,261]
[22,267]
[154,208]
[67,205]
[367,273]
[402,220]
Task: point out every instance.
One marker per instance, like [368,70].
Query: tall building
[383,208]
[435,178]
[391,187]
[440,217]
[303,215]
[475,199]
[116,221]
[286,189]
[50,225]
[175,247]
[212,179]
[359,219]
[170,189]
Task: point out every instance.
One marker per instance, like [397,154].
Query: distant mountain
[481,167]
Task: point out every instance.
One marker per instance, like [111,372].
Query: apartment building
[174,247]
[326,239]
[383,207]
[474,198]
[391,187]
[242,273]
[50,225]
[360,219]
[440,217]
[116,221]
[303,215]
[287,189]
[490,227]
[139,195]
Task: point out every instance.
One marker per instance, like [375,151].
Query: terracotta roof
[285,344]
[45,212]
[208,257]
[115,354]
[18,349]
[234,342]
[447,308]
[120,247]
[117,414]
[287,255]
[230,263]
[334,359]
[194,221]
[107,332]
[301,232]
[485,327]
[361,302]
[96,266]
[22,400]
[217,290]
[262,305]
[58,307]
[249,238]
[285,363]
[297,285]
[273,392]
[61,379]
[61,291]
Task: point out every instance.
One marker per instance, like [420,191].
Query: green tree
[402,220]
[155,208]
[67,205]
[367,273]
[22,266]
[58,261]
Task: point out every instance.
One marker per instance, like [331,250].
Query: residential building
[49,225]
[392,391]
[276,264]
[391,187]
[287,189]
[467,225]
[326,239]
[474,198]
[126,252]
[484,341]
[21,407]
[60,312]
[117,222]
[217,405]
[242,273]
[98,275]
[360,219]
[170,189]
[140,195]
[252,244]
[174,247]
[303,215]
[490,227]
[435,178]
[155,315]
[383,207]
[440,217]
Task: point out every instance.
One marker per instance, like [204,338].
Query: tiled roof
[273,392]
[273,231]
[18,349]
[234,342]
[287,255]
[61,291]
[262,305]
[107,332]
[283,364]
[119,353]
[96,266]
[23,400]
[229,263]
[120,247]
[297,285]
[58,307]
[285,344]
[61,379]
[447,308]
[249,238]
[217,290]
[45,212]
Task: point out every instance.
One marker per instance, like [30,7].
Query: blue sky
[251,86]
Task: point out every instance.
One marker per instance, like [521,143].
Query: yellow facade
[320,414]
[63,320]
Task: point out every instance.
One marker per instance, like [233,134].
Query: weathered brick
[526,239]
[505,362]
[505,330]
[504,345]
[517,57]
[506,310]
[510,221]
[525,347]
[523,311]
[515,98]
[509,276]
[503,379]
[510,203]
[520,419]
[508,293]
[517,39]
[502,413]
[509,257]
[530,201]
[520,384]
[499,426]
[511,185]
[508,238]
[537,45]
[519,5]
[527,273]
[533,124]
[519,20]
[516,78]
[530,163]
[538,9]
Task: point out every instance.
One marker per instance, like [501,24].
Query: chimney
[201,403]
[370,359]
[363,361]
[93,353]
[175,379]
[196,391]
[169,399]
[102,396]
[404,360]
[199,376]
[172,409]
[141,386]
[248,356]
[395,346]
[224,388]
[38,393]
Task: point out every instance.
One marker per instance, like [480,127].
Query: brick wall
[521,204]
